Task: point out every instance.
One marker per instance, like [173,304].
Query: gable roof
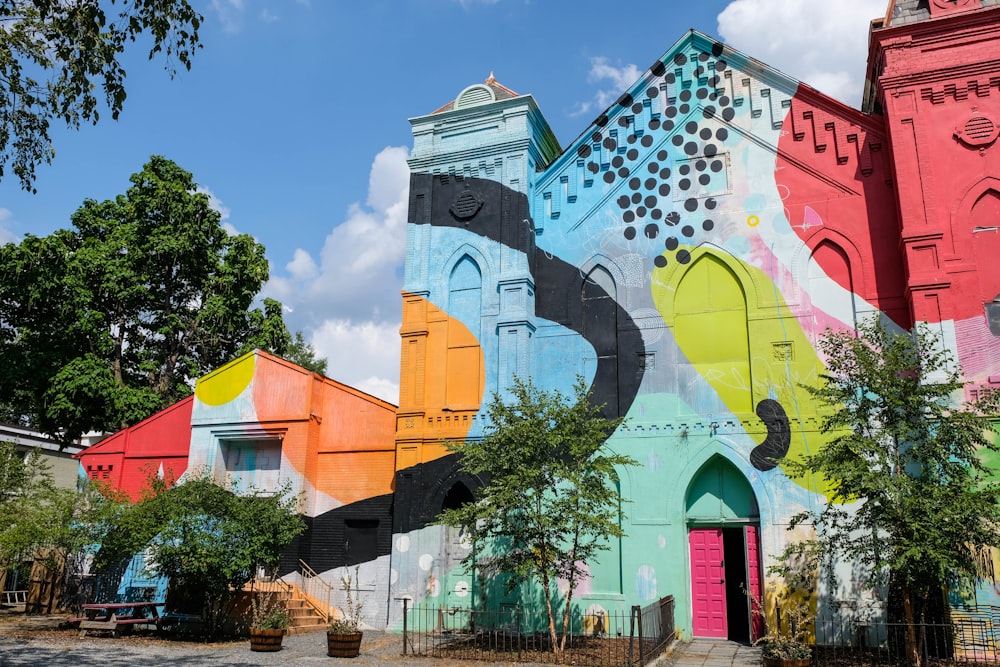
[491,85]
[731,78]
[117,441]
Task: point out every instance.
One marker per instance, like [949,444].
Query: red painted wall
[130,456]
[932,78]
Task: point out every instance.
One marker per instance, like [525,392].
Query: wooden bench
[118,617]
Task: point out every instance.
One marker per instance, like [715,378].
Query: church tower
[468,293]
[934,73]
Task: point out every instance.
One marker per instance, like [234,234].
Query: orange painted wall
[442,381]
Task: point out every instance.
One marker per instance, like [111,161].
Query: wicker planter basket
[343,644]
[265,640]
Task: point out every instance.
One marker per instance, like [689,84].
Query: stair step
[313,620]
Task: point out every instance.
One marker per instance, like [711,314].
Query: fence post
[631,635]
[406,604]
[517,635]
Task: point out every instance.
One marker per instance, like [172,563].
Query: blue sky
[294,119]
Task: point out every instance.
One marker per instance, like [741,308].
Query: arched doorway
[457,582]
[723,522]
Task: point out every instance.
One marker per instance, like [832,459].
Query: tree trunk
[571,584]
[552,619]
[565,623]
[913,654]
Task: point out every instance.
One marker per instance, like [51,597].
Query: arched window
[600,326]
[463,387]
[710,310]
[830,270]
[985,219]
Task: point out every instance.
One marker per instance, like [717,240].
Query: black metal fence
[972,637]
[513,634]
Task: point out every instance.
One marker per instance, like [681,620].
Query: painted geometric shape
[227,383]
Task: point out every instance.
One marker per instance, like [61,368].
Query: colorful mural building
[266,423]
[683,254]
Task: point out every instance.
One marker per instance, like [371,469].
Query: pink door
[708,583]
[753,579]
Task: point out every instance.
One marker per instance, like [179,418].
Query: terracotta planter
[343,644]
[265,640]
[787,662]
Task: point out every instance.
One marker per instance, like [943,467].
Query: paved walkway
[715,653]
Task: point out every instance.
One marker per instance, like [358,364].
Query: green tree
[302,353]
[38,518]
[911,501]
[271,334]
[551,504]
[206,539]
[55,56]
[106,323]
[34,513]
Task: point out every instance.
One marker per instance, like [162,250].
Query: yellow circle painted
[225,384]
[753,221]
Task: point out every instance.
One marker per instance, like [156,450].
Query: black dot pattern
[688,136]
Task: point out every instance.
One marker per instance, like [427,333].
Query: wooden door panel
[708,583]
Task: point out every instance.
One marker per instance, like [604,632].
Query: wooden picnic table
[116,617]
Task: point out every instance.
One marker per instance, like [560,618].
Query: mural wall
[683,255]
[265,423]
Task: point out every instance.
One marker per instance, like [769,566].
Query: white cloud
[302,267]
[823,44]
[230,14]
[364,355]
[7,236]
[347,299]
[618,78]
[267,17]
[214,202]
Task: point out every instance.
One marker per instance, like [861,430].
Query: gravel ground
[30,641]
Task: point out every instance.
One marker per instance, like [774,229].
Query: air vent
[980,128]
[466,205]
[978,131]
[474,96]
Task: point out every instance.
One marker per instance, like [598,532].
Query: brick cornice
[954,30]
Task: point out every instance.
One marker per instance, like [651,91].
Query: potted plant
[786,645]
[268,622]
[343,636]
[784,650]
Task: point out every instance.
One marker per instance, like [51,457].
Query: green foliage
[794,597]
[104,324]
[206,539]
[912,501]
[37,517]
[267,611]
[55,56]
[301,353]
[275,619]
[271,334]
[551,504]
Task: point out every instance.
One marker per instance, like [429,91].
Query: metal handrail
[317,590]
